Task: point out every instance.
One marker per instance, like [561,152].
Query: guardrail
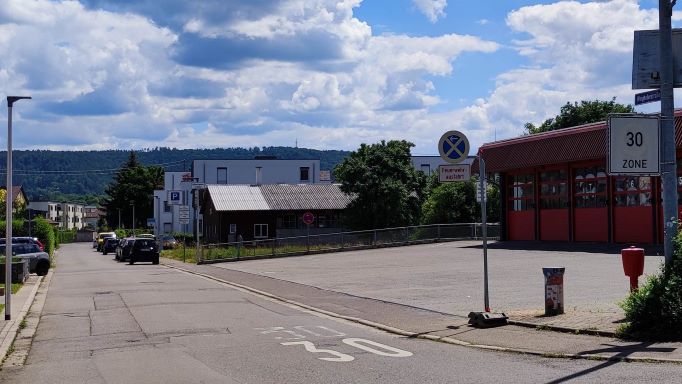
[331,242]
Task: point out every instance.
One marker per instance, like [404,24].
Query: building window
[553,191]
[221,177]
[260,231]
[233,228]
[167,228]
[426,168]
[305,174]
[521,192]
[166,206]
[632,191]
[590,187]
[288,221]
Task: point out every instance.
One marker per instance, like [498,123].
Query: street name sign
[453,147]
[633,144]
[454,172]
[648,97]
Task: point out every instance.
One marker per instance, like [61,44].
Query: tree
[575,114]
[456,202]
[387,189]
[133,185]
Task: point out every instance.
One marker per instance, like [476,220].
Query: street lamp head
[12,99]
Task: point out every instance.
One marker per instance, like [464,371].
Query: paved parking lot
[448,277]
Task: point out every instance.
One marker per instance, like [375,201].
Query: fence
[320,243]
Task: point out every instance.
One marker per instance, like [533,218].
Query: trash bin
[554,291]
[633,265]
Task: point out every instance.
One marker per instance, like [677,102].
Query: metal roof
[237,198]
[585,142]
[277,197]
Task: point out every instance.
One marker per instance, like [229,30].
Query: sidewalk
[21,303]
[585,334]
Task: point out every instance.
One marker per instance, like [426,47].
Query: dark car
[38,261]
[144,249]
[123,249]
[25,240]
[110,245]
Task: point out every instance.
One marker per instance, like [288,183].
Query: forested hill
[83,175]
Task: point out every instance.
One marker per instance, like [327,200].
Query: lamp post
[132,203]
[8,209]
[157,216]
[119,218]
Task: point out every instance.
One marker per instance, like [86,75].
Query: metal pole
[669,164]
[484,231]
[8,210]
[133,219]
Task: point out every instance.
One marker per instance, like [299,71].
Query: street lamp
[8,209]
[132,203]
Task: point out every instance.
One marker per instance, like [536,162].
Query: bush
[45,233]
[654,312]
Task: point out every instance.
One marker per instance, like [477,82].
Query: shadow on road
[621,352]
[544,246]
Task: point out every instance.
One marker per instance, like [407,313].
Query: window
[632,191]
[305,174]
[260,231]
[521,192]
[233,228]
[553,192]
[590,187]
[167,228]
[221,177]
[166,206]
[288,221]
[426,168]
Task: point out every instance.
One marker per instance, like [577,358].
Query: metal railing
[320,243]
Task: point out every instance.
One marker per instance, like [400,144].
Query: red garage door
[633,212]
[591,217]
[521,207]
[553,205]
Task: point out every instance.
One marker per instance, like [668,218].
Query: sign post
[484,230]
[308,219]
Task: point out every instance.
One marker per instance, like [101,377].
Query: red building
[554,186]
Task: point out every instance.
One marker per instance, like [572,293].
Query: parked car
[110,245]
[146,236]
[25,240]
[38,261]
[123,248]
[101,237]
[168,242]
[144,249]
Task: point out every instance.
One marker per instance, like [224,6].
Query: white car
[38,261]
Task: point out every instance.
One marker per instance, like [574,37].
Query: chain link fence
[330,242]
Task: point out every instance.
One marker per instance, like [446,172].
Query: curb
[10,330]
[444,339]
[556,328]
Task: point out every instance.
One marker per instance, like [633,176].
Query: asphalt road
[448,277]
[108,322]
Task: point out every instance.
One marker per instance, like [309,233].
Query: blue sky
[328,74]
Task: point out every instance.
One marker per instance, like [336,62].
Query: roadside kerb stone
[23,300]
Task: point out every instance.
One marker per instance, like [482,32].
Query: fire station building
[554,187]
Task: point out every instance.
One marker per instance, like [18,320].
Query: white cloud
[432,9]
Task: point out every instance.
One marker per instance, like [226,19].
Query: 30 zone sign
[633,144]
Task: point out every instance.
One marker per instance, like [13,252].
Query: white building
[173,208]
[67,215]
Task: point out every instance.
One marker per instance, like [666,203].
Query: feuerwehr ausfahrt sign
[453,147]
[633,144]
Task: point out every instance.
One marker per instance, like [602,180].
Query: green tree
[575,114]
[456,202]
[387,190]
[133,185]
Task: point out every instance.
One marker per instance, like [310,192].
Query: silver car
[38,261]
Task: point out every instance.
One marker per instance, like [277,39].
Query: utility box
[554,290]
[633,264]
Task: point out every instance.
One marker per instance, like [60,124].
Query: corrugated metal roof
[586,142]
[237,198]
[292,197]
[277,197]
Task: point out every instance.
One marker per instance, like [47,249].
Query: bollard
[554,291]
[633,264]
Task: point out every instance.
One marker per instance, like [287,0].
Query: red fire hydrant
[633,264]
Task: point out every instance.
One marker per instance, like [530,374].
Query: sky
[321,74]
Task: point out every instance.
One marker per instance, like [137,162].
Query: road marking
[310,347]
[333,333]
[393,352]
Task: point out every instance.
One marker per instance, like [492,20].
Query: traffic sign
[633,144]
[480,193]
[308,218]
[648,97]
[454,172]
[174,197]
[453,147]
[646,58]
[183,211]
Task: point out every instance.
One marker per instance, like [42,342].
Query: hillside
[83,175]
